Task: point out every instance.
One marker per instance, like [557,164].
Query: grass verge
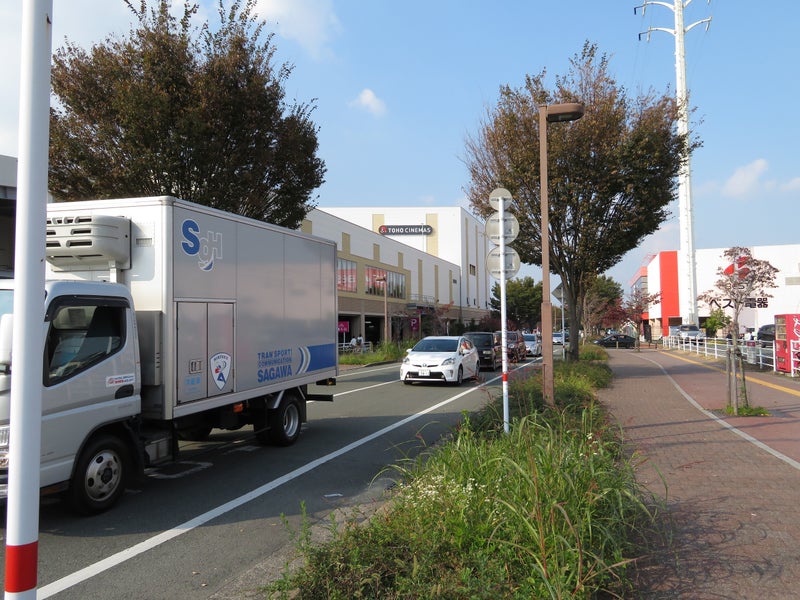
[545,511]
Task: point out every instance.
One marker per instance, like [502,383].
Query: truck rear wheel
[284,422]
[100,475]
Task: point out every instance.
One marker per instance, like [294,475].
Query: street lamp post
[386,332]
[552,113]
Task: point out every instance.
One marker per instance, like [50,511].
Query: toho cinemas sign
[405,229]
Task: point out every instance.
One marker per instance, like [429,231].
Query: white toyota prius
[449,358]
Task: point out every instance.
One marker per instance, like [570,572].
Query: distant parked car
[766,335]
[533,344]
[617,340]
[489,346]
[449,358]
[691,333]
[558,338]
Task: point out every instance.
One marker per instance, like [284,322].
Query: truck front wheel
[100,475]
[284,422]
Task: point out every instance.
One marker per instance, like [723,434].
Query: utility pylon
[687,268]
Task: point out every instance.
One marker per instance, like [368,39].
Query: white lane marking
[194,467]
[779,455]
[361,389]
[120,557]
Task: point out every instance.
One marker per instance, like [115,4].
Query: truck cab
[90,383]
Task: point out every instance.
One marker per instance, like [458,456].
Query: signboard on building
[405,229]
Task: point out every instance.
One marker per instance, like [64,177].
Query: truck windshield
[6,302]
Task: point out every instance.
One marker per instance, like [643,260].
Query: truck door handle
[124,392]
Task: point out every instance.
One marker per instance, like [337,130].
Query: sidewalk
[728,490]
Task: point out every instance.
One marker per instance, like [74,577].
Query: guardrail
[752,351]
[347,348]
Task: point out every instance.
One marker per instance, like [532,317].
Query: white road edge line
[115,559]
[779,455]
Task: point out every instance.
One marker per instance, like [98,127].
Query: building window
[472,270]
[346,279]
[396,282]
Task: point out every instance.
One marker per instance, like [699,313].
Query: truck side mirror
[6,325]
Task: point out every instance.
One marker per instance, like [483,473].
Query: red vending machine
[787,344]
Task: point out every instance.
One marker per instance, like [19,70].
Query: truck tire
[284,422]
[100,476]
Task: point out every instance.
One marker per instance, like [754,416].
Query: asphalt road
[193,528]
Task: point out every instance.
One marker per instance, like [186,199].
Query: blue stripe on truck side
[322,357]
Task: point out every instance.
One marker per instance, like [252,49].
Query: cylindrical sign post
[500,199]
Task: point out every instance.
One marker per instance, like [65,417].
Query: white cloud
[311,23]
[793,185]
[370,102]
[746,180]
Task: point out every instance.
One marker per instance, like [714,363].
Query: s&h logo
[206,249]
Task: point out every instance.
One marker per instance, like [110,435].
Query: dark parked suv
[490,347]
[766,335]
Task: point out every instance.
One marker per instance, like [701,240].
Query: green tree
[611,173]
[523,302]
[173,110]
[716,321]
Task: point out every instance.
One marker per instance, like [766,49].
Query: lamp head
[570,111]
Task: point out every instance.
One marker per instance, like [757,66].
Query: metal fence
[752,351]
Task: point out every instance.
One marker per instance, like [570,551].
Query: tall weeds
[545,511]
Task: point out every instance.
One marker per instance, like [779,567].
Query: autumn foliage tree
[602,295]
[171,109]
[611,173]
[741,278]
[637,303]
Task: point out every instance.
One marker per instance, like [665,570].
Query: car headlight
[406,360]
[448,361]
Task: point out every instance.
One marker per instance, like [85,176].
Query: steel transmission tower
[687,272]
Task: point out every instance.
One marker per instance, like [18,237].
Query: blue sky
[400,86]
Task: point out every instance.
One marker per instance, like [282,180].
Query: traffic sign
[493,264]
[493,228]
[498,195]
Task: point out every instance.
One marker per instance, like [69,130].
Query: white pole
[687,268]
[685,174]
[22,517]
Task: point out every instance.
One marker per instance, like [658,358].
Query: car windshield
[529,337]
[481,339]
[436,345]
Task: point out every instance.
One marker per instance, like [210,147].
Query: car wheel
[459,377]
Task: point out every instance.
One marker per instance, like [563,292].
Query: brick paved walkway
[728,489]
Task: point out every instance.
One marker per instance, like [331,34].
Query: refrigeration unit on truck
[162,320]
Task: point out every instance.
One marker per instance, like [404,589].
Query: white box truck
[163,319]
